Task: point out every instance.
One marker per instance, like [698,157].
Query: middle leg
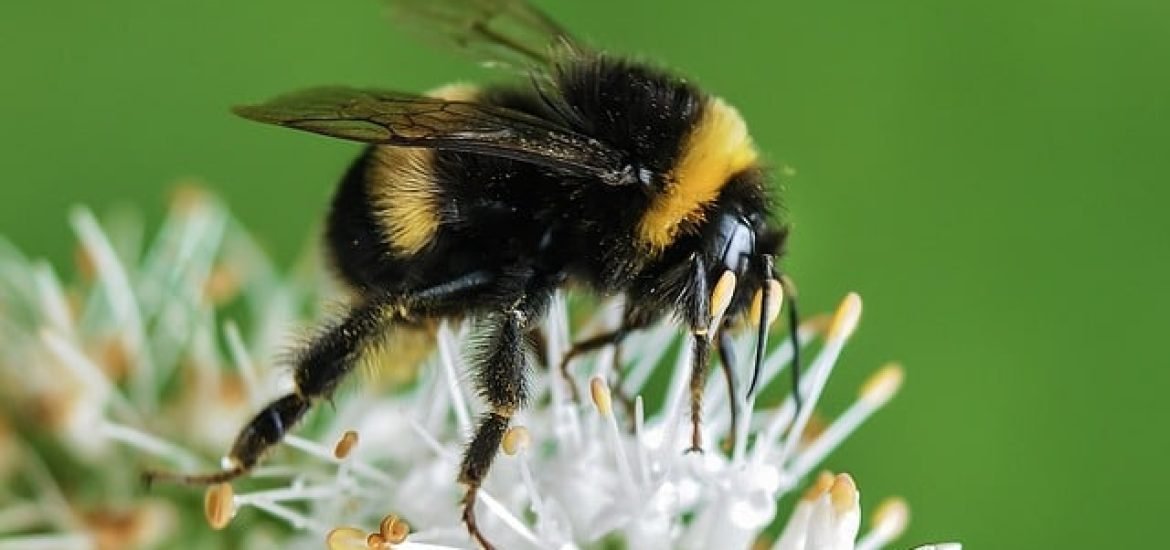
[630,323]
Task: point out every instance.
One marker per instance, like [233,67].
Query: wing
[393,118]
[512,33]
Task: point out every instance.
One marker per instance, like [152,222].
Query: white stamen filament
[149,444]
[320,452]
[121,299]
[613,437]
[447,352]
[506,516]
[844,322]
[807,458]
[52,299]
[243,363]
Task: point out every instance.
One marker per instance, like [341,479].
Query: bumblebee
[596,171]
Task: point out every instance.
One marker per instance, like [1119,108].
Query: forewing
[512,33]
[394,118]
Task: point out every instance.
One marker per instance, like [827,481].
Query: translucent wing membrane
[394,118]
[512,33]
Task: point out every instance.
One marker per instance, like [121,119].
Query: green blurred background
[986,174]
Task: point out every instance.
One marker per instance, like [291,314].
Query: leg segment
[631,321]
[501,376]
[477,460]
[581,348]
[698,315]
[702,354]
[318,369]
[619,386]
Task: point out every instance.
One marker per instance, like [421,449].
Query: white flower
[573,475]
[137,364]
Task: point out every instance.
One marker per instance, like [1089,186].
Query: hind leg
[320,367]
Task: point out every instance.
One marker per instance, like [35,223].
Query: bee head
[740,240]
[738,248]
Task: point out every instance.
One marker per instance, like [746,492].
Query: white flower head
[573,475]
[137,364]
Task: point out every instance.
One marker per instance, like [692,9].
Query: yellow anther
[815,427]
[219,505]
[817,323]
[599,390]
[189,195]
[222,285]
[346,538]
[883,384]
[845,318]
[843,494]
[516,439]
[819,486]
[393,530]
[345,445]
[892,516]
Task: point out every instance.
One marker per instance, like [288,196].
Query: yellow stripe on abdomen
[406,198]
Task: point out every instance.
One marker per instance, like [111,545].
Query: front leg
[501,377]
[697,313]
[701,354]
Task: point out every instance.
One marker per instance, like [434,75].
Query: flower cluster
[142,361]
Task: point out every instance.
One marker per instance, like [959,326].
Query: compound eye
[739,242]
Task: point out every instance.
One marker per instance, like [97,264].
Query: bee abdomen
[352,238]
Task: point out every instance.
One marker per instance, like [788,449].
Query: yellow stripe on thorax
[717,148]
